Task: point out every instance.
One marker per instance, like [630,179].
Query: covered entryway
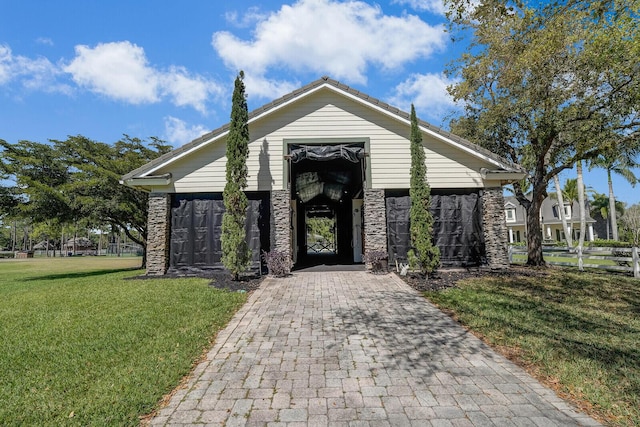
[326,182]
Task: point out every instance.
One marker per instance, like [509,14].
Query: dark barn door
[196,228]
[457,228]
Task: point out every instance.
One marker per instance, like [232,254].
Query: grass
[521,258]
[578,332]
[82,345]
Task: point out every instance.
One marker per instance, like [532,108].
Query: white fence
[622,259]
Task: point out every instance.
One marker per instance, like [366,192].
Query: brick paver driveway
[356,349]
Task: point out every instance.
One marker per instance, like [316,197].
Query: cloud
[33,74]
[261,87]
[177,132]
[5,64]
[121,71]
[434,6]
[44,41]
[428,93]
[342,39]
[248,19]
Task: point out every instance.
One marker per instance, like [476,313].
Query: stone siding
[281,221]
[494,227]
[375,221]
[158,234]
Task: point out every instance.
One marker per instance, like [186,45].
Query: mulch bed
[219,280]
[245,284]
[448,278]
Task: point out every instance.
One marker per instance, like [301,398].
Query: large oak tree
[547,85]
[78,180]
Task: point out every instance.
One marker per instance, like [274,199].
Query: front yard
[83,345]
[577,332]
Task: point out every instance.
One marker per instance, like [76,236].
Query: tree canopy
[547,85]
[78,179]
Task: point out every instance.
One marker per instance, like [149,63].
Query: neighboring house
[44,246]
[80,246]
[550,220]
[326,151]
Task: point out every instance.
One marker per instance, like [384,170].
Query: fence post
[580,262]
[636,262]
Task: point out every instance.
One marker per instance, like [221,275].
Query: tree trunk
[565,226]
[581,209]
[582,204]
[534,238]
[144,257]
[612,208]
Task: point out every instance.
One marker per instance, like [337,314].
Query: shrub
[377,260]
[278,263]
[602,243]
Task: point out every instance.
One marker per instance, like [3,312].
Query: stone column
[375,221]
[281,221]
[158,234]
[494,228]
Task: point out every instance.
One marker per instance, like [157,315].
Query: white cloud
[259,86]
[252,16]
[45,41]
[5,64]
[120,70]
[33,74]
[188,90]
[342,39]
[434,6]
[177,132]
[428,93]
[117,70]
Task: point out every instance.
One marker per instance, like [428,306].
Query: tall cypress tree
[235,250]
[421,220]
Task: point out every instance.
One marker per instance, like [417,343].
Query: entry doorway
[326,184]
[321,236]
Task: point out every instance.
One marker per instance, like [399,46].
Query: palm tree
[565,227]
[581,207]
[621,164]
[571,194]
[600,205]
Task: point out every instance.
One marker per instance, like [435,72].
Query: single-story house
[550,220]
[80,246]
[326,151]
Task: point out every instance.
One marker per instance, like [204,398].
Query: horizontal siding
[325,115]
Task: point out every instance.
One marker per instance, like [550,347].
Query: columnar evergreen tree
[235,251]
[421,220]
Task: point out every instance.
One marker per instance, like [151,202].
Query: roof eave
[505,176]
[146,182]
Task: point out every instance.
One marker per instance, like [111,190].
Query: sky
[165,69]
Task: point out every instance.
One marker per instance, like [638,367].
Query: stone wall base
[158,234]
[281,221]
[375,221]
[494,228]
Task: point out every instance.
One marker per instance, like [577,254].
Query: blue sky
[165,68]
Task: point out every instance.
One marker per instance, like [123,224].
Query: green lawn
[521,259]
[578,332]
[82,345]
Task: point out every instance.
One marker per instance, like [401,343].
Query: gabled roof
[547,211]
[501,164]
